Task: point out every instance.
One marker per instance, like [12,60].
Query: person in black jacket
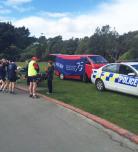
[50,73]
[3,72]
[12,75]
[2,75]
[26,72]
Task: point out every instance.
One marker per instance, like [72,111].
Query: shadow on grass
[75,80]
[122,94]
[44,91]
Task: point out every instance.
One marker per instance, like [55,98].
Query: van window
[87,62]
[98,59]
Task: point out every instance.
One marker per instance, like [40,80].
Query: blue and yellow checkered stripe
[107,76]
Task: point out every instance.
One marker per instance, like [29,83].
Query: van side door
[88,68]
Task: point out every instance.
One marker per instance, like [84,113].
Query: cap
[34,58]
[50,61]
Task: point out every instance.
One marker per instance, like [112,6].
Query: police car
[121,77]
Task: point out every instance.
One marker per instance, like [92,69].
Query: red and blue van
[77,66]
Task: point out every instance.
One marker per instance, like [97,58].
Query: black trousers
[50,86]
[28,81]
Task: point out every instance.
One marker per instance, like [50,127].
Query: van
[77,66]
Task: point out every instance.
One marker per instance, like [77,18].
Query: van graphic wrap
[70,67]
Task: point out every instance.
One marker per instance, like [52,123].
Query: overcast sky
[70,18]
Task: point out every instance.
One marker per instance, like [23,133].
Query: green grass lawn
[118,108]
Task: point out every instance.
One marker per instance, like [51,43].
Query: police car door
[126,83]
[109,76]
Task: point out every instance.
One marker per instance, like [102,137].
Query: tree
[55,44]
[70,46]
[13,40]
[128,46]
[104,42]
[82,46]
[17,43]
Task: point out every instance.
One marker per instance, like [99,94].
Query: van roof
[73,55]
[78,56]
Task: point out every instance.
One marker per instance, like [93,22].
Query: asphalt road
[35,125]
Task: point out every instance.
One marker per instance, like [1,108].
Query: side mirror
[132,74]
[88,63]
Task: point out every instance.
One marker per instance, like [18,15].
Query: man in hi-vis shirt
[33,70]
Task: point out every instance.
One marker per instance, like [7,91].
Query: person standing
[5,88]
[50,73]
[26,75]
[3,71]
[33,70]
[12,76]
[2,75]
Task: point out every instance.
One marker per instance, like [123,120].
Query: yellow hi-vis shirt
[31,69]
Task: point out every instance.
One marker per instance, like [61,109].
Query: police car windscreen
[135,66]
[98,59]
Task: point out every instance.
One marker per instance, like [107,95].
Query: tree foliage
[17,43]
[13,40]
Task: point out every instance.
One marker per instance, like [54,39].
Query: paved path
[34,125]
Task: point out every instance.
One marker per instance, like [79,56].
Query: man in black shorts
[33,70]
[12,77]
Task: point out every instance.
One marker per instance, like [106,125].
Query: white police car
[121,77]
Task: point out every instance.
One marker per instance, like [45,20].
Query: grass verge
[117,108]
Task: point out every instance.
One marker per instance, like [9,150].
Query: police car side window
[111,68]
[123,69]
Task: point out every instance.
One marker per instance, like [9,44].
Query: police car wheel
[61,76]
[100,85]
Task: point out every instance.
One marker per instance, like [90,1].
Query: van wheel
[100,85]
[84,78]
[61,76]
